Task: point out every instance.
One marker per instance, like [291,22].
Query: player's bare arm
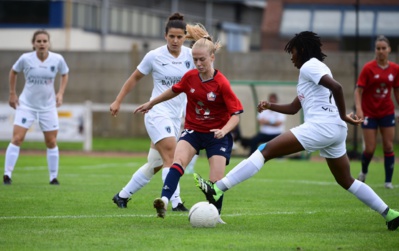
[166,95]
[126,88]
[291,108]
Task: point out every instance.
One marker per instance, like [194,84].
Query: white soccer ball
[203,214]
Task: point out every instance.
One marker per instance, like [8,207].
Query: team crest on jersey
[168,129]
[390,77]
[188,64]
[23,120]
[211,96]
[52,68]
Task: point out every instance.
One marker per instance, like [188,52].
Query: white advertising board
[71,119]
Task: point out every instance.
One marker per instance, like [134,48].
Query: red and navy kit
[377,84]
[210,104]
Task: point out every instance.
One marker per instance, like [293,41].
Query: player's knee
[154,159]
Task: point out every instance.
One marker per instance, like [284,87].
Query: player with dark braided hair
[321,98]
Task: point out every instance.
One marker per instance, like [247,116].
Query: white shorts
[329,139]
[160,126]
[48,120]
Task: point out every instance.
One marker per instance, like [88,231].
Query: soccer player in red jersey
[212,112]
[374,104]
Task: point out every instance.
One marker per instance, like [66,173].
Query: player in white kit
[38,101]
[322,100]
[167,64]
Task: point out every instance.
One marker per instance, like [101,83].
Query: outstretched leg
[340,168]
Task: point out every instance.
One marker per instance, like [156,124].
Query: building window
[294,21]
[327,22]
[40,14]
[387,23]
[366,21]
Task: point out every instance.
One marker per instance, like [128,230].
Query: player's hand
[353,119]
[59,99]
[114,108]
[218,134]
[359,114]
[263,105]
[13,101]
[144,108]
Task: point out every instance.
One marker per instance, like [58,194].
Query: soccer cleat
[54,182]
[120,202]
[6,180]
[392,220]
[220,221]
[180,208]
[362,177]
[388,185]
[160,206]
[212,192]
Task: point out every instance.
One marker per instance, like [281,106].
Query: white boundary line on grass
[139,215]
[97,166]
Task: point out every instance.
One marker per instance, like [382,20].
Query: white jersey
[166,71]
[273,117]
[317,102]
[39,93]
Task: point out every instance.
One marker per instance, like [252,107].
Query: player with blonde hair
[212,112]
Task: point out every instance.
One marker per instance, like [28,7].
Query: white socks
[364,193]
[53,157]
[175,199]
[243,171]
[11,158]
[138,181]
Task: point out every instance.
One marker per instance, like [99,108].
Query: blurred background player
[271,124]
[322,100]
[167,64]
[38,101]
[212,112]
[374,104]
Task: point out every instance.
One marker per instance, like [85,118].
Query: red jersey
[377,84]
[210,104]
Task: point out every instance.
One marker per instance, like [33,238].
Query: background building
[117,25]
[335,20]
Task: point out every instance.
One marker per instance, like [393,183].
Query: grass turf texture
[288,205]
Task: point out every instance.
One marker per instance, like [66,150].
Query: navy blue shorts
[372,123]
[207,141]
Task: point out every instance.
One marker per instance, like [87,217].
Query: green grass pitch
[288,205]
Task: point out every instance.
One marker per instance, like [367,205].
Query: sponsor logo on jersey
[170,80]
[188,64]
[211,96]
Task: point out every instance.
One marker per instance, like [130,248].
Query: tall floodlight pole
[175,6]
[104,23]
[356,65]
